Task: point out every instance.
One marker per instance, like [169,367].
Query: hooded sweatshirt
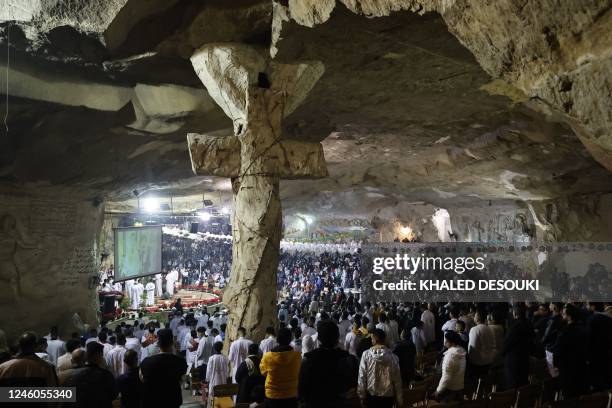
[453,369]
[379,374]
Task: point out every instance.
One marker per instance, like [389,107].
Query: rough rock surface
[561,56]
[499,108]
[48,259]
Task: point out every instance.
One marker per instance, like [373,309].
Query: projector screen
[138,252]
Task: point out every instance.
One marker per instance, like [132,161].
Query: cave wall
[572,219]
[49,259]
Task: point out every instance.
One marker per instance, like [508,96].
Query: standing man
[239,350]
[150,288]
[429,324]
[161,375]
[95,386]
[114,358]
[55,346]
[269,342]
[158,285]
[379,380]
[281,367]
[517,349]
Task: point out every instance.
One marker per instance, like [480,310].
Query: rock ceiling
[450,103]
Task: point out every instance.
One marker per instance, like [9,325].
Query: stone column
[255,94]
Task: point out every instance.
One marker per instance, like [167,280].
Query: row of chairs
[528,396]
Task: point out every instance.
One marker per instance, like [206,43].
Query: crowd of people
[327,350]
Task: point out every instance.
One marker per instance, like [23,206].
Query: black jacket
[249,386]
[325,377]
[518,345]
[95,387]
[406,353]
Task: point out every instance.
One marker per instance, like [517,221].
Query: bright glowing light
[406,233]
[150,204]
[226,210]
[204,216]
[309,220]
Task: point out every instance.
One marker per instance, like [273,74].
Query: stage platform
[191,296]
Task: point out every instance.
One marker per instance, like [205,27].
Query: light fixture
[150,204]
[309,220]
[226,210]
[405,230]
[204,216]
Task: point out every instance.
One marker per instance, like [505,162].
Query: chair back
[225,390]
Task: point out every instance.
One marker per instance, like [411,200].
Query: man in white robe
[170,280]
[128,288]
[217,370]
[158,285]
[137,291]
[239,350]
[150,293]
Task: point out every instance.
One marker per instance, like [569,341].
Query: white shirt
[217,371]
[351,342]
[429,326]
[133,343]
[308,331]
[114,360]
[55,348]
[453,370]
[239,350]
[481,345]
[449,326]
[204,350]
[267,344]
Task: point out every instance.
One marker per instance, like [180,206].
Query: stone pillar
[256,94]
[48,259]
[257,220]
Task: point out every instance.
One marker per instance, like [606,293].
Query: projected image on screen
[137,252]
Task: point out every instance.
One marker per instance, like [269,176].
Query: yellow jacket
[281,369]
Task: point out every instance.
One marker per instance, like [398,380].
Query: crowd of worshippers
[304,274]
[330,352]
[197,260]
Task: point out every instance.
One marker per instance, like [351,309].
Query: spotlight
[204,216]
[150,204]
[309,220]
[226,210]
[405,230]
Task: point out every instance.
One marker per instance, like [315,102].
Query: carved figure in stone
[11,240]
